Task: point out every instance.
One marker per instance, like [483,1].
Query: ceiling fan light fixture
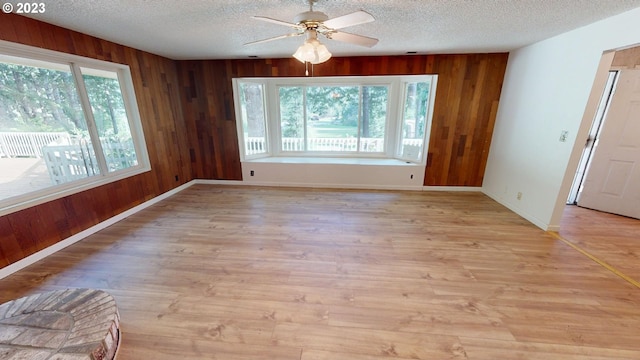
[312,51]
[311,23]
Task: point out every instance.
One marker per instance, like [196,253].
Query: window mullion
[304,118]
[394,117]
[274,130]
[360,110]
[88,114]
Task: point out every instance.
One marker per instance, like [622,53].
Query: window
[253,118]
[382,116]
[414,120]
[67,123]
[333,118]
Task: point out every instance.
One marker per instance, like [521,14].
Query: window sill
[332,161]
[34,198]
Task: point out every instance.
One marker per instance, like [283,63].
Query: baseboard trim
[513,207]
[33,258]
[342,186]
[452,188]
[218,182]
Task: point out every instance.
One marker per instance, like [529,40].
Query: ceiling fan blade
[276,21]
[356,18]
[353,38]
[273,38]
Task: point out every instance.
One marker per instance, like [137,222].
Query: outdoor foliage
[318,117]
[43,99]
[415,110]
[38,99]
[252,103]
[291,111]
[333,111]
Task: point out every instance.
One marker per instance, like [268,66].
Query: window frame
[240,120]
[125,80]
[393,124]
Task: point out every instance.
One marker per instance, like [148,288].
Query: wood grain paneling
[156,85]
[465,109]
[207,103]
[190,127]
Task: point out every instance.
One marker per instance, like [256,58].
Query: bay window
[373,117]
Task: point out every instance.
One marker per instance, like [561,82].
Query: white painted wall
[545,91]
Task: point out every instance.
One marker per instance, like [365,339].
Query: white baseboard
[553,228]
[218,182]
[452,188]
[513,207]
[341,186]
[33,258]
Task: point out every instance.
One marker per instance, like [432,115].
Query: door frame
[592,139]
[599,83]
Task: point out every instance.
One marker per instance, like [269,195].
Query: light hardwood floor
[221,272]
[611,238]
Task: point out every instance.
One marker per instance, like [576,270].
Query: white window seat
[330,172]
[332,160]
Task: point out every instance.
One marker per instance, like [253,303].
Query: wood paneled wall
[189,124]
[465,108]
[156,85]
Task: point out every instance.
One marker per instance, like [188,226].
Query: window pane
[253,118]
[43,133]
[374,118]
[292,118]
[107,105]
[414,120]
[333,114]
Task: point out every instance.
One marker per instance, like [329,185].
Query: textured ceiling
[217,29]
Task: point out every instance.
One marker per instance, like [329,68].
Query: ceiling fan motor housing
[311,17]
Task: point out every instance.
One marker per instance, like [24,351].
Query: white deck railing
[67,158]
[76,161]
[28,144]
[257,145]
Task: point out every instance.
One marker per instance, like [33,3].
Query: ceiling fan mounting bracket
[310,3]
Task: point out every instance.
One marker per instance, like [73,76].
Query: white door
[612,183]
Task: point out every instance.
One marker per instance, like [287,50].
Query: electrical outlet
[251,173]
[519,196]
[411,176]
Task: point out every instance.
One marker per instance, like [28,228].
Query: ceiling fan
[311,23]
